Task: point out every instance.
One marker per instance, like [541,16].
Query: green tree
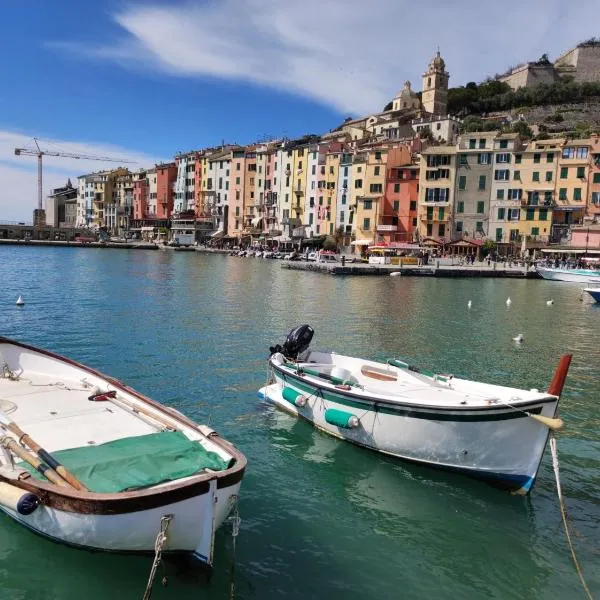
[522,129]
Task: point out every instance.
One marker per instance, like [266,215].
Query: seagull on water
[469,304]
[20,301]
[518,338]
[549,302]
[508,301]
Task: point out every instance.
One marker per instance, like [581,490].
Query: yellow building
[535,170]
[437,176]
[298,189]
[369,172]
[328,196]
[572,184]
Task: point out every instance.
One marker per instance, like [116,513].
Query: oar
[34,461]
[395,362]
[112,396]
[24,438]
[549,422]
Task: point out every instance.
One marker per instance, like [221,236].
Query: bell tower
[434,97]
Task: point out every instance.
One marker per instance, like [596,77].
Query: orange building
[398,221]
[166,174]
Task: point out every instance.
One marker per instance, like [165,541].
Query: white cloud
[18,174]
[352,55]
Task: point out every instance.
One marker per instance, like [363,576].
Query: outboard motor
[297,341]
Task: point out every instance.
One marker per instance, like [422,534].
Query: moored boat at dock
[491,432]
[89,462]
[572,275]
[594,292]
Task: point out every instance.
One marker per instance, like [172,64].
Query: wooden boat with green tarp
[89,462]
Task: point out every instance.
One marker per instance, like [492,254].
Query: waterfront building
[293,227]
[252,220]
[434,97]
[593,202]
[327,208]
[185,182]
[236,197]
[572,172]
[140,196]
[286,157]
[361,230]
[537,175]
[85,196]
[219,174]
[344,216]
[314,158]
[506,190]
[398,221]
[437,176]
[371,183]
[166,177]
[61,206]
[118,208]
[151,194]
[476,166]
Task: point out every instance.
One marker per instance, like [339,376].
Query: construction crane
[40,153]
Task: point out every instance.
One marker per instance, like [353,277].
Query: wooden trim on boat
[138,500]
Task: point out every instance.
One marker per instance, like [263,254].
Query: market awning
[361,242]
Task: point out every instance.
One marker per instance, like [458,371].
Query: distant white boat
[572,275]
[491,432]
[101,466]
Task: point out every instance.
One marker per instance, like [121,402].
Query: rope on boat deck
[161,540]
[563,513]
[235,530]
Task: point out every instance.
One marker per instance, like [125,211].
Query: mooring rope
[161,540]
[563,512]
[235,530]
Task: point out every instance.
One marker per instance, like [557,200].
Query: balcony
[299,193]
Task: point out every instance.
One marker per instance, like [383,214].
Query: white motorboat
[594,292]
[490,432]
[87,461]
[572,275]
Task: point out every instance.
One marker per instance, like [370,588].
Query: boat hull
[594,293]
[503,446]
[191,529]
[571,275]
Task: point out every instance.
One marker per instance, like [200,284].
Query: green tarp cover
[136,462]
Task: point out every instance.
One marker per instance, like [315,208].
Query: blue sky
[144,80]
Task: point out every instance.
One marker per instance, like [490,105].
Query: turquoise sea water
[320,518]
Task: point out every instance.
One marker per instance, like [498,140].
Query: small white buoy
[20,301]
[508,301]
[469,304]
[549,302]
[519,338]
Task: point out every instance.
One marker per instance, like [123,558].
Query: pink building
[593,203]
[586,237]
[235,222]
[140,196]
